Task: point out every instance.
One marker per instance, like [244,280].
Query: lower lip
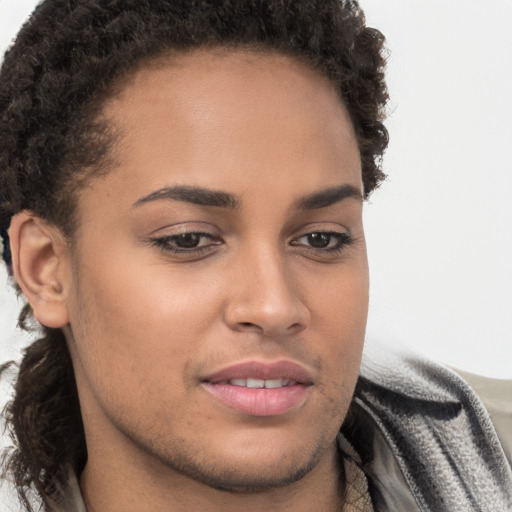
[259,401]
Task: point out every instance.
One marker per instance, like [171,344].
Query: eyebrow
[194,195]
[328,197]
[206,197]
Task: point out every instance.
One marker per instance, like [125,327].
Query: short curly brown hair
[53,84]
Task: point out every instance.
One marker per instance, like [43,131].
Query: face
[220,285]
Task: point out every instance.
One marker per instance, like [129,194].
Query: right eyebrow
[328,197]
[195,195]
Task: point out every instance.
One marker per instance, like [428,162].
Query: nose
[264,298]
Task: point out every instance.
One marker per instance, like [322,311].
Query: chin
[251,478]
[250,466]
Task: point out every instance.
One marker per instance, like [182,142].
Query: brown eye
[187,240]
[323,241]
[319,240]
[191,243]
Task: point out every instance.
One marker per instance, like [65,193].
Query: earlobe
[39,260]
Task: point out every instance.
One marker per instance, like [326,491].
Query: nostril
[247,324]
[296,328]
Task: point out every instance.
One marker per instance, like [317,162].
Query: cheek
[137,330]
[138,297]
[339,302]
[338,315]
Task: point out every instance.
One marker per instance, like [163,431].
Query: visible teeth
[260,383]
[274,383]
[255,383]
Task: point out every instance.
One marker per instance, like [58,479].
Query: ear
[40,261]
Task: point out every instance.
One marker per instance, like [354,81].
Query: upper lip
[265,370]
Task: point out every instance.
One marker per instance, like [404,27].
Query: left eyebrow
[328,197]
[195,195]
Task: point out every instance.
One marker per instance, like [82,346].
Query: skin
[145,326]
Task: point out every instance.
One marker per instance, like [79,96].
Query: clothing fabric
[417,439]
[425,440]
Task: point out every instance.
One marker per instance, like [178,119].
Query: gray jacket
[425,440]
[422,437]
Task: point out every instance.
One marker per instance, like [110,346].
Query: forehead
[218,67]
[232,120]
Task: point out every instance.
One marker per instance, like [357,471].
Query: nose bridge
[265,296]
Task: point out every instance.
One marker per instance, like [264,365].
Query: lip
[282,369]
[261,401]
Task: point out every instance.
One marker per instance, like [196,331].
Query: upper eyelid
[185,228]
[218,234]
[176,235]
[322,225]
[212,230]
[210,236]
[327,230]
[344,234]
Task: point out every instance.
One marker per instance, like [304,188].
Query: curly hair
[64,64]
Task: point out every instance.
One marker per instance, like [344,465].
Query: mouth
[255,383]
[261,388]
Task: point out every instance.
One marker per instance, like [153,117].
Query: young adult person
[182,186]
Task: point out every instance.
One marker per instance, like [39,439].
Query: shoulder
[436,429]
[496,396]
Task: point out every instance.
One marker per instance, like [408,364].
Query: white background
[440,229]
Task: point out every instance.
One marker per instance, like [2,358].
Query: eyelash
[343,240]
[164,243]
